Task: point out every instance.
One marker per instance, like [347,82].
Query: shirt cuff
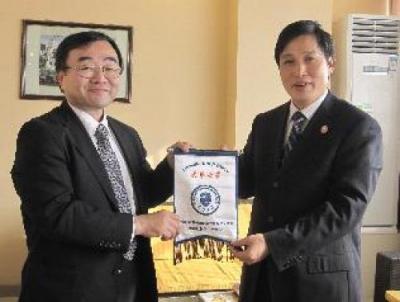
[133,229]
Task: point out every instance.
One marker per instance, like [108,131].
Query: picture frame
[39,43]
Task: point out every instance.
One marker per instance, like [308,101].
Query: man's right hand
[162,224]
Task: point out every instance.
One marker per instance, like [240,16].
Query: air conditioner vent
[375,36]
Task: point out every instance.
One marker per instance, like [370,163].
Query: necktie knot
[101,133]
[298,117]
[298,120]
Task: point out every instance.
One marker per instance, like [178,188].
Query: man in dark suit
[312,165]
[85,187]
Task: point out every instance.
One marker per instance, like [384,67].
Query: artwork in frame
[39,43]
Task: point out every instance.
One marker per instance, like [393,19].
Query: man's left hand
[182,146]
[251,249]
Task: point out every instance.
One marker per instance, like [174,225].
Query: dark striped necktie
[298,125]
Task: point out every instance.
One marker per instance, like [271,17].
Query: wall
[258,84]
[180,87]
[373,7]
[395,7]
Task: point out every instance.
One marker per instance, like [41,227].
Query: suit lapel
[83,144]
[279,135]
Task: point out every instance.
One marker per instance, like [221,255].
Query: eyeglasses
[88,71]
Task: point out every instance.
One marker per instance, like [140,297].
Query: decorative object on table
[392,295]
[39,43]
[387,276]
[206,199]
[218,297]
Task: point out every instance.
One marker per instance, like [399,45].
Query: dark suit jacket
[310,209]
[75,235]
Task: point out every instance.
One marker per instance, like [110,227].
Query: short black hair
[81,39]
[304,27]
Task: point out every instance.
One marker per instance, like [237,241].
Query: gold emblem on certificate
[205,198]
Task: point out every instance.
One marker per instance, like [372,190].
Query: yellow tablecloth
[196,275]
[392,295]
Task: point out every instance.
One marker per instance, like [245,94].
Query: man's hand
[162,224]
[251,249]
[183,146]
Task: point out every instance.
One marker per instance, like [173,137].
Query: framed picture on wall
[39,43]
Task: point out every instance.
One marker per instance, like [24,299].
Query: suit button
[118,271]
[270,219]
[275,184]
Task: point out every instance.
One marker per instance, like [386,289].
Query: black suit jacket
[75,235]
[310,209]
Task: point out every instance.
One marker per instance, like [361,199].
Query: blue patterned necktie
[298,123]
[114,173]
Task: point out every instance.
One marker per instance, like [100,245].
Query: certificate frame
[38,44]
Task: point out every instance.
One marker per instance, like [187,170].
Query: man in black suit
[312,165]
[85,187]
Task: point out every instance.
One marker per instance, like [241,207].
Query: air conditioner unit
[367,75]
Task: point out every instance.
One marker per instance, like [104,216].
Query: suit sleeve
[352,181]
[155,184]
[50,209]
[246,168]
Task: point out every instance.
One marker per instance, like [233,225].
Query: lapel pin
[324,129]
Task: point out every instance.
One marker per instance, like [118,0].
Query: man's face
[304,70]
[91,94]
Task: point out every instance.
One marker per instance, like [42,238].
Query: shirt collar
[89,122]
[308,111]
